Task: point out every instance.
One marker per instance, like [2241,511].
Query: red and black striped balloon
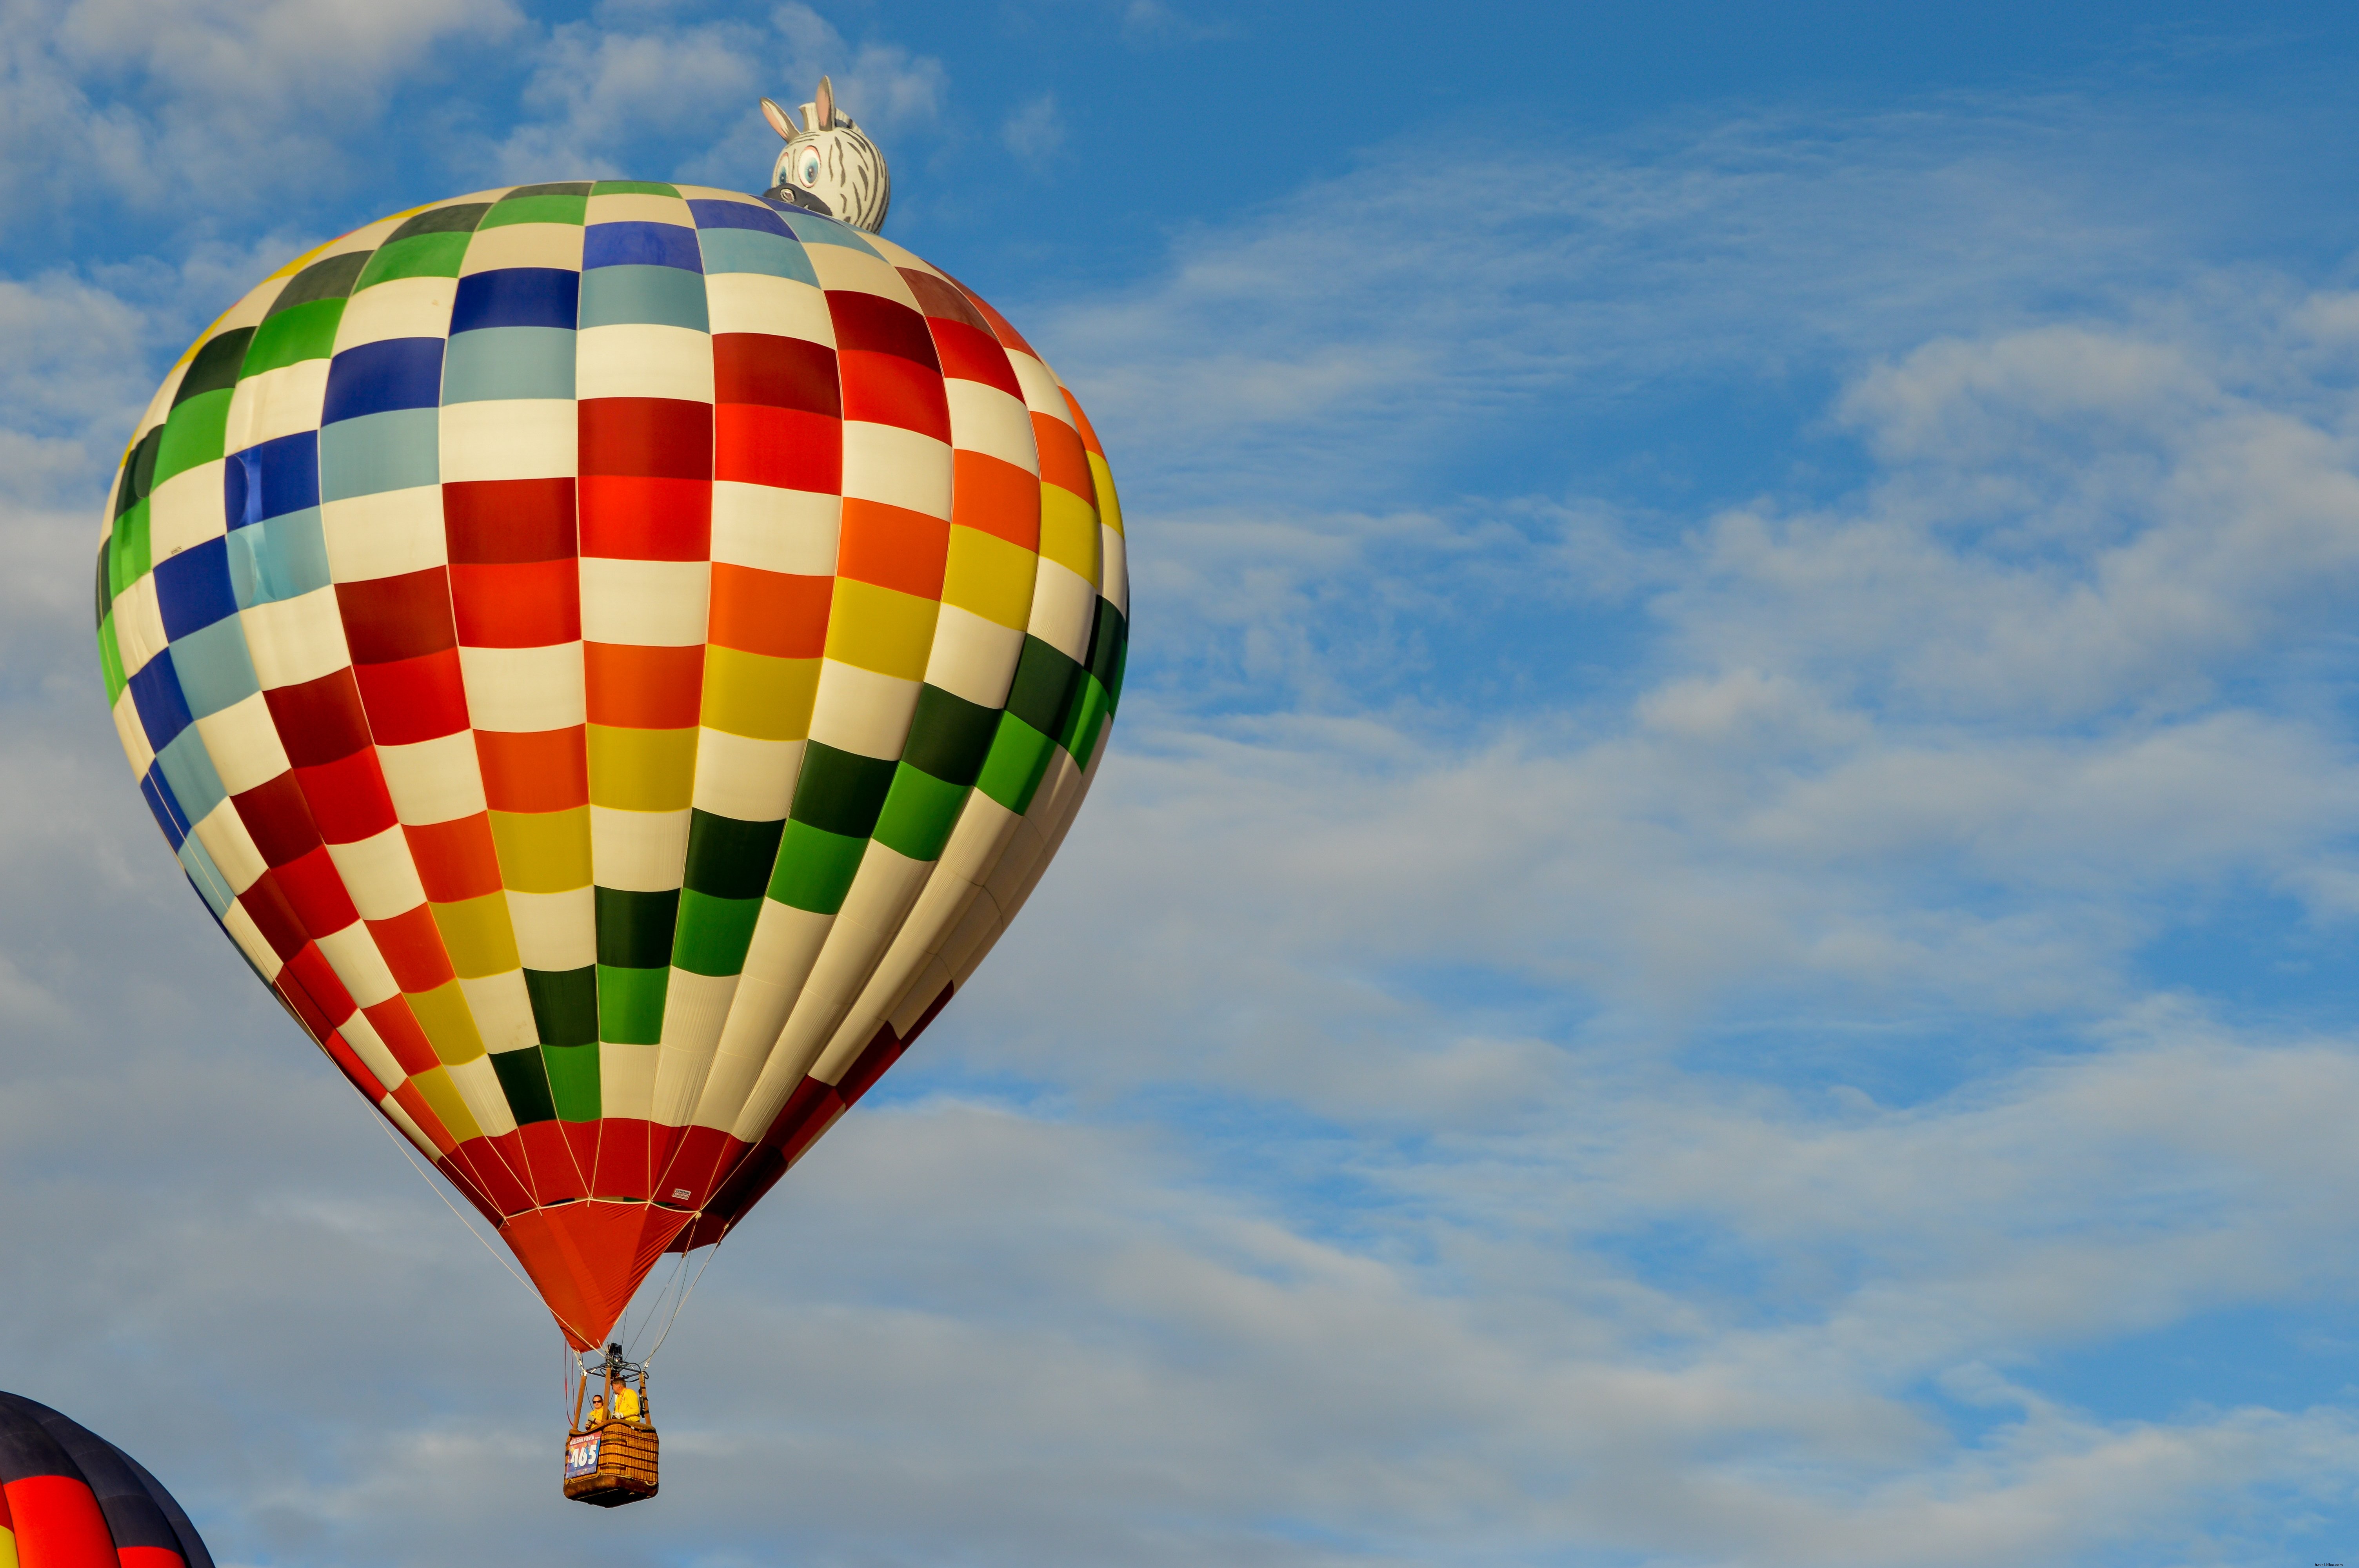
[68,1499]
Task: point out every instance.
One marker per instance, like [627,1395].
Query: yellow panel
[642,770]
[756,695]
[449,1025]
[1069,531]
[476,934]
[442,1097]
[7,1547]
[989,575]
[884,629]
[543,852]
[1109,503]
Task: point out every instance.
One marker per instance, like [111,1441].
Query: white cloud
[1034,132]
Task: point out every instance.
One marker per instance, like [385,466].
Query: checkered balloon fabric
[614,656]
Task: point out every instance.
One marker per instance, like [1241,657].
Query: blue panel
[192,588]
[380,451]
[155,694]
[813,230]
[743,250]
[169,815]
[712,214]
[272,478]
[640,245]
[663,296]
[517,297]
[205,877]
[214,668]
[509,362]
[398,372]
[283,558]
[190,771]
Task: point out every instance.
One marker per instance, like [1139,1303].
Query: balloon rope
[709,1257]
[631,1337]
[411,1155]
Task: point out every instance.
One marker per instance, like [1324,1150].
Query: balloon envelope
[613,657]
[68,1499]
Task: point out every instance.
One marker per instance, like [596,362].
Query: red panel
[695,1163]
[665,438]
[623,1169]
[556,1175]
[769,612]
[412,945]
[407,1097]
[893,548]
[587,1259]
[996,496]
[497,520]
[1081,421]
[874,324]
[942,300]
[972,353]
[347,797]
[309,971]
[266,904]
[455,859]
[498,1163]
[889,390]
[527,605]
[397,1027]
[319,720]
[277,818]
[316,890]
[390,617]
[466,1173]
[415,699]
[539,769]
[1000,327]
[644,687]
[1063,460]
[58,1524]
[783,373]
[786,448]
[348,1061]
[151,1557]
[632,518]
[315,1020]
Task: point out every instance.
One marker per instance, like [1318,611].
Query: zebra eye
[807,167]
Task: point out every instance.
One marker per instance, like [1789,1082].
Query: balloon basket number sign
[610,1458]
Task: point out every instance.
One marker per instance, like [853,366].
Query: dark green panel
[525,1080]
[1107,640]
[557,188]
[634,930]
[948,736]
[714,933]
[1043,687]
[564,1004]
[573,1081]
[330,280]
[214,369]
[729,858]
[815,867]
[459,217]
[840,791]
[631,1004]
[142,464]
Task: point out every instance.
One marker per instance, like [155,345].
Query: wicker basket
[611,1464]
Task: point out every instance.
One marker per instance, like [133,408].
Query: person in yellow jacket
[627,1406]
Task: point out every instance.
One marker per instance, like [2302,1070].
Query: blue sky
[1718,931]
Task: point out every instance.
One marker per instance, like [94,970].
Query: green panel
[213,370]
[537,208]
[1107,642]
[631,1004]
[714,933]
[1019,760]
[322,280]
[420,255]
[552,188]
[634,930]
[564,1004]
[1114,684]
[127,548]
[729,858]
[193,436]
[457,218]
[816,868]
[306,332]
[525,1080]
[1082,731]
[840,791]
[110,660]
[632,188]
[948,736]
[573,1081]
[138,472]
[1043,687]
[920,814]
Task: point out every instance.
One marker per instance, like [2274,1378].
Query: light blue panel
[509,362]
[750,250]
[189,772]
[214,668]
[813,230]
[396,451]
[660,296]
[205,877]
[286,558]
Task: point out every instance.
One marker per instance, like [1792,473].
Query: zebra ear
[781,120]
[824,104]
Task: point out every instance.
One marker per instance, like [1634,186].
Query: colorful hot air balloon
[68,1499]
[613,657]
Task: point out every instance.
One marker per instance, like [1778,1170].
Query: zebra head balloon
[827,165]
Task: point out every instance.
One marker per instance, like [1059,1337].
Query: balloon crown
[826,165]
